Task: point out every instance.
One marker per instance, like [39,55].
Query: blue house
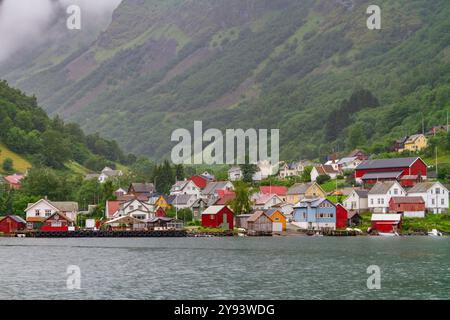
[318,213]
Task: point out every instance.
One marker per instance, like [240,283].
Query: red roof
[278,190]
[226,198]
[14,179]
[113,207]
[199,181]
[399,200]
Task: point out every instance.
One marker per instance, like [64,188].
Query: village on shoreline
[386,197]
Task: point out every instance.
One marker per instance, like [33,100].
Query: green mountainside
[310,68]
[29,137]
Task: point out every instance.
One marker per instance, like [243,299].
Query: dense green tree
[241,203]
[8,165]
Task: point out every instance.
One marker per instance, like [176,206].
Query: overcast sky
[24,22]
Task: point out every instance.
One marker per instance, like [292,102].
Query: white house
[349,163]
[265,201]
[235,173]
[381,193]
[326,169]
[266,168]
[135,208]
[184,201]
[291,169]
[42,209]
[357,201]
[185,187]
[435,195]
[108,173]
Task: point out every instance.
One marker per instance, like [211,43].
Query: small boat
[388,234]
[435,233]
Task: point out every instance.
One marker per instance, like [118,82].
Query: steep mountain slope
[284,64]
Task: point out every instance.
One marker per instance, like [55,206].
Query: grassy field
[76,168]
[20,163]
[331,185]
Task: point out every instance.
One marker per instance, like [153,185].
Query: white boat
[388,234]
[435,233]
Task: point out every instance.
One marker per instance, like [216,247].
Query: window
[438,191]
[432,201]
[211,217]
[37,212]
[442,201]
[131,207]
[371,201]
[395,191]
[48,213]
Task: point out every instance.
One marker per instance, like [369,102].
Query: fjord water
[226,268]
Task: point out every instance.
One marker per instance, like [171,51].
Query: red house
[341,216]
[371,171]
[218,217]
[11,224]
[386,222]
[407,204]
[160,212]
[57,222]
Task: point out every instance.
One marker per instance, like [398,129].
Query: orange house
[277,218]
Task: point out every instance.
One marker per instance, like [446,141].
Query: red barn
[57,222]
[11,224]
[218,217]
[341,216]
[386,222]
[411,206]
[371,171]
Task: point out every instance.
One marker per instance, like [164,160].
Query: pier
[108,234]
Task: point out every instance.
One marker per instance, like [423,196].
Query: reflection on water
[226,268]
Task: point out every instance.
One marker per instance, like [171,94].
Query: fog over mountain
[25,23]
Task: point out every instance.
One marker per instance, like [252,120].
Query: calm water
[222,268]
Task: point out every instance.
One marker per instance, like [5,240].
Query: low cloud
[23,23]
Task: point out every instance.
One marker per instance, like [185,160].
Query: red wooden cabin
[386,222]
[218,217]
[11,224]
[341,216]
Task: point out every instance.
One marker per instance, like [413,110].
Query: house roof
[15,218]
[213,186]
[182,199]
[422,187]
[256,215]
[143,187]
[125,219]
[381,175]
[61,215]
[326,169]
[356,152]
[413,138]
[347,160]
[386,217]
[179,185]
[387,163]
[382,187]
[213,209]
[299,188]
[66,206]
[278,190]
[400,200]
[14,179]
[113,206]
[112,173]
[225,199]
[271,211]
[263,198]
[311,202]
[35,219]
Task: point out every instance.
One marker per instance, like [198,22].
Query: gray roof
[422,187]
[382,175]
[182,199]
[212,187]
[17,219]
[66,206]
[381,187]
[310,202]
[143,187]
[179,185]
[299,188]
[387,163]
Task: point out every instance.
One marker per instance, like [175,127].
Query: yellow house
[415,143]
[161,202]
[277,217]
[300,191]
